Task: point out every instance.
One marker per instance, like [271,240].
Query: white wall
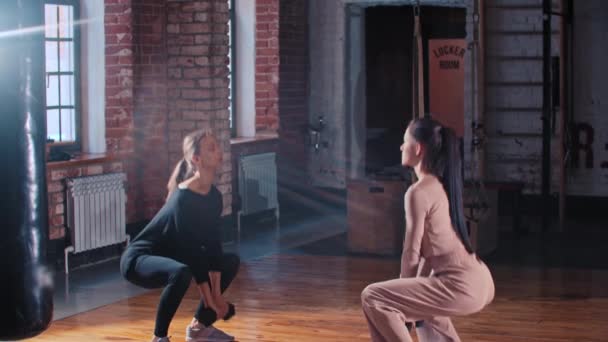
[93,77]
[591,95]
[245,67]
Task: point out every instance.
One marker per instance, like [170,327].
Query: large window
[62,76]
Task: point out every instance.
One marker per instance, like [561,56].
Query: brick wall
[159,54]
[119,76]
[119,114]
[136,101]
[167,75]
[135,113]
[149,166]
[267,65]
[197,44]
[119,86]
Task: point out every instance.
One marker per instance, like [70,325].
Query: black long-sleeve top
[186,229]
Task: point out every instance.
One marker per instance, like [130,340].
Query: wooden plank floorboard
[317,298]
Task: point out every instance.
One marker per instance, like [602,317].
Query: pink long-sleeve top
[429,230]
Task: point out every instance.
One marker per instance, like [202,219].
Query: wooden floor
[316,298]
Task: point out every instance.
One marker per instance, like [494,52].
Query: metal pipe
[546,117]
[481,84]
[563,105]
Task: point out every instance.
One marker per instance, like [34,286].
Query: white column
[245,67]
[93,77]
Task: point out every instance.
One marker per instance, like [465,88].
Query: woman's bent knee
[182,275]
[125,266]
[370,292]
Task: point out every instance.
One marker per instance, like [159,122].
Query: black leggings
[152,272]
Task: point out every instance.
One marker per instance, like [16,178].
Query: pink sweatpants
[461,285]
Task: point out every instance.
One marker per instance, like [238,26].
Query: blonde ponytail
[184,168]
[179,174]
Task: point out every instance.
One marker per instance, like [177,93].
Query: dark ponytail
[443,160]
[452,180]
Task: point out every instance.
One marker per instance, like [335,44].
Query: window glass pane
[52,90]
[60,57]
[67,90]
[50,54]
[66,56]
[68,125]
[50,21]
[52,124]
[66,23]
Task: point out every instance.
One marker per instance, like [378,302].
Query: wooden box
[376,222]
[481,210]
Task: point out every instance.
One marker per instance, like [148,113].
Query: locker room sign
[446,82]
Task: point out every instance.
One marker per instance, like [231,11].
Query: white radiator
[257,185]
[96,208]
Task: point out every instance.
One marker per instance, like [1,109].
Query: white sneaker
[208,334]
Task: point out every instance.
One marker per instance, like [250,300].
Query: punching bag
[26,294]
